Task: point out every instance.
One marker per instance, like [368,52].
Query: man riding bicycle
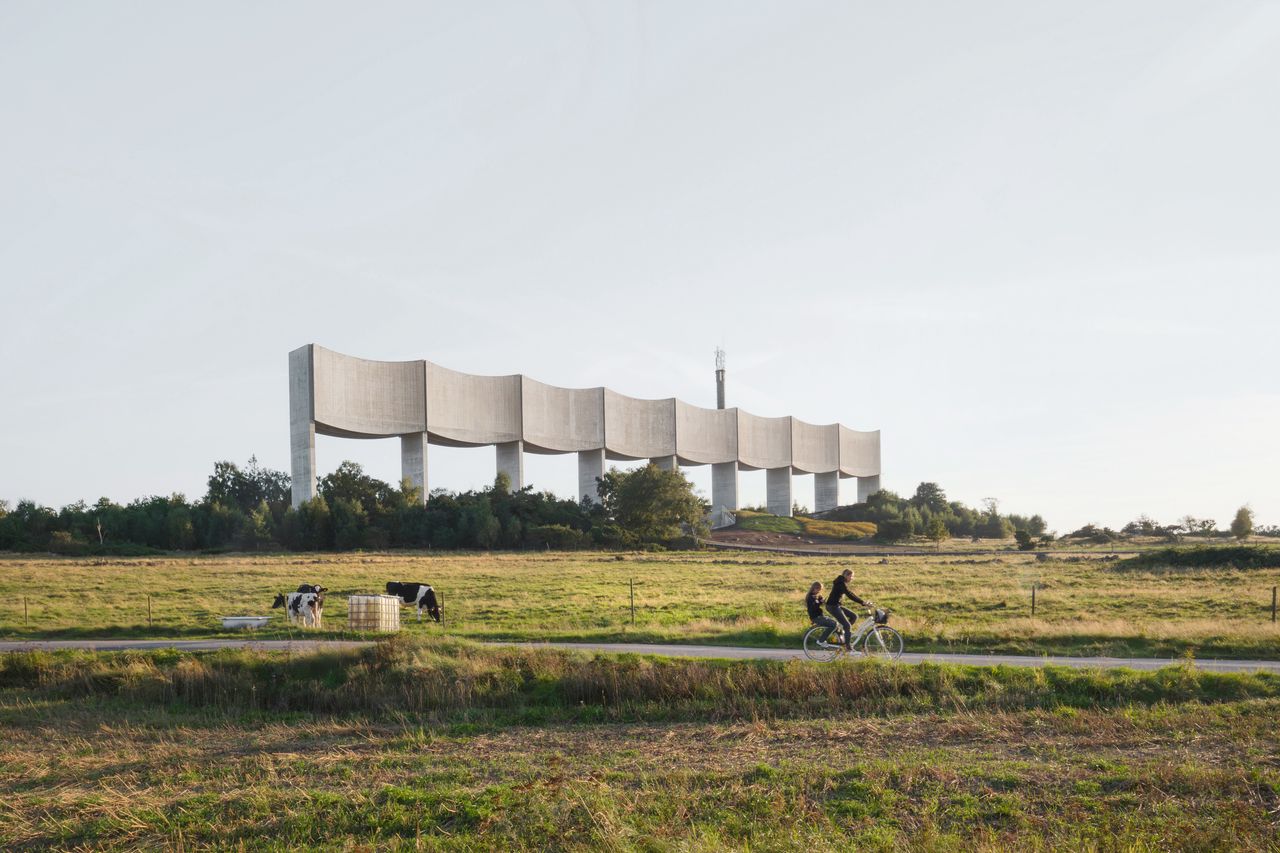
[840,589]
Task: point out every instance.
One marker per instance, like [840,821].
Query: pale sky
[1036,244]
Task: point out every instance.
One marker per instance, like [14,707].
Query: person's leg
[853,620]
[828,623]
[844,624]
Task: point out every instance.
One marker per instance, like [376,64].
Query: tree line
[249,508]
[929,513]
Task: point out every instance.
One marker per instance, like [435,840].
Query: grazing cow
[420,594]
[301,607]
[319,593]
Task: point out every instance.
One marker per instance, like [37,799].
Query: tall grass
[450,678]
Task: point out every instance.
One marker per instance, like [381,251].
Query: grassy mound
[763,522]
[1205,557]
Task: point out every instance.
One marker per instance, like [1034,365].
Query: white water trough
[244,623]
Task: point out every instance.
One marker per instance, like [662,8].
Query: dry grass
[943,603]
[1190,778]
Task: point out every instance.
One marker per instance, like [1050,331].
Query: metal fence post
[633,601]
[149,623]
[24,611]
[1033,599]
[1273,604]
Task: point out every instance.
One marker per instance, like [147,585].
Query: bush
[558,537]
[1206,557]
[893,530]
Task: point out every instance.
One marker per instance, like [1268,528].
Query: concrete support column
[302,427]
[778,490]
[590,467]
[724,486]
[413,461]
[867,486]
[510,455]
[302,462]
[826,491]
[666,463]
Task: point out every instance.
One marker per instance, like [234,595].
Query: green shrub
[1206,557]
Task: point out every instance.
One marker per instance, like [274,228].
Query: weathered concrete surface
[706,436]
[334,394]
[666,463]
[826,491]
[413,461]
[724,486]
[366,399]
[639,429]
[302,426]
[472,411]
[561,420]
[778,490]
[763,442]
[867,486]
[510,461]
[815,448]
[590,468]
[859,453]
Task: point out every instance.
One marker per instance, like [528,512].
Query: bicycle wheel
[815,649]
[882,642]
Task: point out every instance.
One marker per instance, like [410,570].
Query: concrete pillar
[666,463]
[510,455]
[778,490]
[826,491]
[867,486]
[302,427]
[590,466]
[413,461]
[724,486]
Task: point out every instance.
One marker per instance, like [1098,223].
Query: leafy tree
[937,530]
[245,488]
[649,504]
[1024,540]
[349,482]
[931,496]
[1242,524]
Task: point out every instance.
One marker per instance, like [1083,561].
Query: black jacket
[813,601]
[840,589]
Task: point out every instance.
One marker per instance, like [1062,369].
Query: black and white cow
[419,594]
[304,607]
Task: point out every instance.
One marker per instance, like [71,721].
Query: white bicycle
[871,638]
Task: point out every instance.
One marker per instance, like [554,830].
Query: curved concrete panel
[859,453]
[815,449]
[561,420]
[335,394]
[366,399]
[706,436]
[470,411]
[638,429]
[764,442]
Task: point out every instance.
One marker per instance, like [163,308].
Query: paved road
[729,652]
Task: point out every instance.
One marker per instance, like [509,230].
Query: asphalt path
[723,652]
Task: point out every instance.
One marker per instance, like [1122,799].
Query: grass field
[438,744]
[1084,605]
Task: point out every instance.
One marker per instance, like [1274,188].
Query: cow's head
[279,602]
[434,610]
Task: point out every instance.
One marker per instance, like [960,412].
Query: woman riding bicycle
[840,589]
[813,603]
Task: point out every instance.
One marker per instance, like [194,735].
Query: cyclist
[813,601]
[840,589]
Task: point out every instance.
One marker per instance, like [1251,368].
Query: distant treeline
[248,508]
[929,513]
